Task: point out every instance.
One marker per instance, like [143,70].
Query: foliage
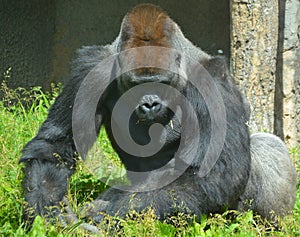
[22,112]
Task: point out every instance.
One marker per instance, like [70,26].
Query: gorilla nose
[149,104]
[150,107]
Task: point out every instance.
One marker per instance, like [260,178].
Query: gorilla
[177,121]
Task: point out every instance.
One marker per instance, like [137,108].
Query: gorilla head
[147,25]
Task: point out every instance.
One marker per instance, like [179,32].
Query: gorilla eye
[145,39]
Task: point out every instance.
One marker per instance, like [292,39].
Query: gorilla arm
[50,157]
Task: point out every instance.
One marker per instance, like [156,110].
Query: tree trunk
[290,85]
[254,37]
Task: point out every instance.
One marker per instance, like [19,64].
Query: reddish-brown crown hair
[146,25]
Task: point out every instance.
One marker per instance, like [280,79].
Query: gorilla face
[151,103]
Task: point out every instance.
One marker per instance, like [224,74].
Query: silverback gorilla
[255,168]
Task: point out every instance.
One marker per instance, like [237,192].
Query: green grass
[20,118]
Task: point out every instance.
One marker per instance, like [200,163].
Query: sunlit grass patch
[21,114]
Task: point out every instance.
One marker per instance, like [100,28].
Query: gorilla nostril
[147,105]
[156,107]
[144,108]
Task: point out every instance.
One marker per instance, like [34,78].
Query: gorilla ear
[218,67]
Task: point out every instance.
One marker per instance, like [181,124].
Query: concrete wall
[39,37]
[26,40]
